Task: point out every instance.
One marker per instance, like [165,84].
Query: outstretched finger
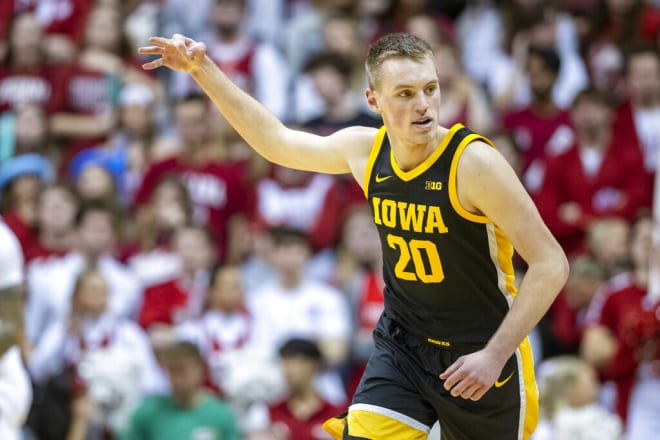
[153,64]
[159,41]
[150,50]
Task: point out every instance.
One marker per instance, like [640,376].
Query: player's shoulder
[479,155]
[355,139]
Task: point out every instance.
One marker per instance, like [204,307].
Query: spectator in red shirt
[150,253]
[570,307]
[225,325]
[301,414]
[256,66]
[599,176]
[93,82]
[637,119]
[217,189]
[24,74]
[541,129]
[55,223]
[21,178]
[611,341]
[183,297]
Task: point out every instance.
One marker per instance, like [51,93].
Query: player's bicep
[327,154]
[490,186]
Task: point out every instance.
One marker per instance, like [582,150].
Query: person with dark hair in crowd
[187,412]
[600,175]
[297,305]
[331,76]
[302,413]
[541,129]
[637,119]
[224,326]
[25,76]
[51,281]
[57,206]
[216,189]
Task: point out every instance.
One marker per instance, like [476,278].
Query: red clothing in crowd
[314,206]
[42,85]
[618,307]
[539,135]
[567,324]
[25,233]
[619,187]
[624,127]
[282,419]
[90,93]
[161,302]
[66,17]
[217,192]
[36,249]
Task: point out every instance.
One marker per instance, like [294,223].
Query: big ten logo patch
[431,185]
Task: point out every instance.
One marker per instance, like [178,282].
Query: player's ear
[372,101]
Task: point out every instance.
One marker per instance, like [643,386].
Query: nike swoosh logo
[501,383]
[380,179]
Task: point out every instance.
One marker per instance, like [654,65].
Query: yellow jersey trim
[530,409]
[375,149]
[428,162]
[453,193]
[504,254]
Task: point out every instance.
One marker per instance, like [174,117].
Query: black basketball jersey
[448,272]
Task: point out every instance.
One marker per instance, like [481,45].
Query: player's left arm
[487,185]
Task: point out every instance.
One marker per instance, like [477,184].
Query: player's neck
[409,155]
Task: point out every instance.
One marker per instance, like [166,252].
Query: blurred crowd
[179,286]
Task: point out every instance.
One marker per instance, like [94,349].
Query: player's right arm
[260,128]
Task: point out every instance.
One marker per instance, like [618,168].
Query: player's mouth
[423,123]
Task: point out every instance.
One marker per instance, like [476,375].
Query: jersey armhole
[453,192]
[373,154]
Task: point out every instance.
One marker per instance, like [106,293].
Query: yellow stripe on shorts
[377,423]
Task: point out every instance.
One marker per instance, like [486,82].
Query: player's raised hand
[178,53]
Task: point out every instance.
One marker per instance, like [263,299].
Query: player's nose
[421,102]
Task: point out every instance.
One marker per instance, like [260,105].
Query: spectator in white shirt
[51,282]
[297,306]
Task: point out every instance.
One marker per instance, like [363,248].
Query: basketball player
[451,344]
